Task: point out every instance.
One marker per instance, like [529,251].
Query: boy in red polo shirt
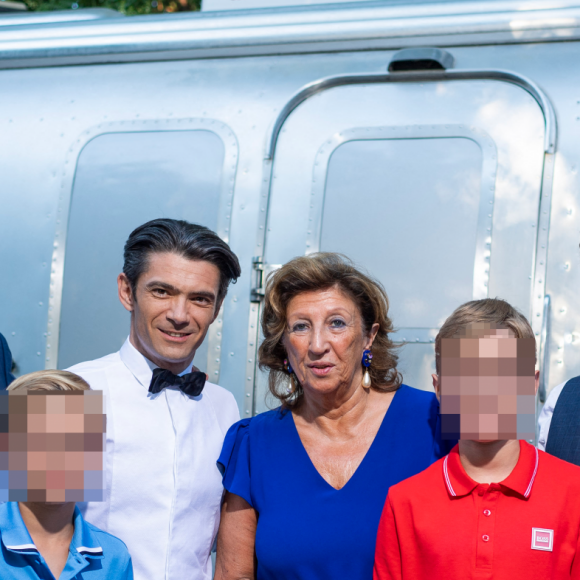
[495,507]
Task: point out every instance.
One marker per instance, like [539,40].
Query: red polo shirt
[440,524]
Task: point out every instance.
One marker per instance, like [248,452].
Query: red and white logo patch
[542,539]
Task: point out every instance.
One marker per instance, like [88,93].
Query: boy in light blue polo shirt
[92,552]
[51,456]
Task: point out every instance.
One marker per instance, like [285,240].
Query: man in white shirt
[165,422]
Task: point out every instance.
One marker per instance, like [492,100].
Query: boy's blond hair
[493,311]
[51,380]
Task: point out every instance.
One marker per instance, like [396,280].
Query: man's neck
[48,520]
[489,462]
[176,368]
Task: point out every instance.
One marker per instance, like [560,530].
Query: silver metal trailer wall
[282,130]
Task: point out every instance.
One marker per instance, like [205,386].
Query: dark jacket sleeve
[6,376]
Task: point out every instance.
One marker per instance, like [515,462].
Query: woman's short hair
[492,311]
[50,380]
[312,273]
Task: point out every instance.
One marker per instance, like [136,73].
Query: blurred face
[487,386]
[325,340]
[51,446]
[174,304]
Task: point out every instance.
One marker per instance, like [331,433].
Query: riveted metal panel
[457,168]
[51,107]
[126,174]
[511,130]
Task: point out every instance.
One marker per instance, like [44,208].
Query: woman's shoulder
[414,405]
[251,427]
[269,421]
[417,396]
[416,416]
[247,442]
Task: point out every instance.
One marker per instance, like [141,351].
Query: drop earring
[366,362]
[292,388]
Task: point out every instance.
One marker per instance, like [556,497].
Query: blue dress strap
[234,460]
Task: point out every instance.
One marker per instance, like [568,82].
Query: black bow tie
[191,383]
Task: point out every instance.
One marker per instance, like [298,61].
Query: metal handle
[544,349]
[327,83]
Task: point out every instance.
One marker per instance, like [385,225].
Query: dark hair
[191,241]
[315,272]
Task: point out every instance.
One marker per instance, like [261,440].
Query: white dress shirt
[545,418]
[163,488]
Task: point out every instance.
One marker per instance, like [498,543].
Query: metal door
[126,175]
[432,182]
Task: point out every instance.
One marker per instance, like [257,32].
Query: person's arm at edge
[388,565]
[6,376]
[546,414]
[235,558]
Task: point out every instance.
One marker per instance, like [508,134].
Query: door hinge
[260,273]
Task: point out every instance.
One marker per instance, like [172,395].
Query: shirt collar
[84,541]
[520,480]
[140,366]
[16,538]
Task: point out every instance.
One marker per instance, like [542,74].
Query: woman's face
[325,340]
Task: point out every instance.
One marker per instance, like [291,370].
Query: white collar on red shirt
[520,480]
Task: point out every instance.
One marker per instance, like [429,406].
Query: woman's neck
[489,462]
[48,520]
[337,412]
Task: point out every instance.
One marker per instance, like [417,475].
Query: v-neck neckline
[363,462]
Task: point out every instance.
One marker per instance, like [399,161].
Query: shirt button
[486,513]
[485,538]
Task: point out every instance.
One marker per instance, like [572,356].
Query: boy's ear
[537,382]
[436,386]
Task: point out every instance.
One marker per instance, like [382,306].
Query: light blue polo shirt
[93,554]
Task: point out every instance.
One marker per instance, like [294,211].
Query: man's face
[174,304]
[51,446]
[487,386]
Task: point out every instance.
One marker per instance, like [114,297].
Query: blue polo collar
[16,538]
[84,541]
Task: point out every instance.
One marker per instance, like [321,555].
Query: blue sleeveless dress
[307,530]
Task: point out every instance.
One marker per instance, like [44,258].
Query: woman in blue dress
[306,482]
